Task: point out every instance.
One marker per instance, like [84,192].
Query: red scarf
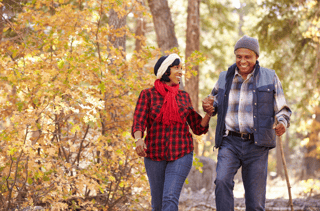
[169,112]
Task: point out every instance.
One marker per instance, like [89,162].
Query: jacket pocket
[266,100]
[266,94]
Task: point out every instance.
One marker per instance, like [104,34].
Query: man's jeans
[166,179]
[236,152]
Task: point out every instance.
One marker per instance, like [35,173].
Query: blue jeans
[166,179]
[233,153]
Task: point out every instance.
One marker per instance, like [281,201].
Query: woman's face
[176,74]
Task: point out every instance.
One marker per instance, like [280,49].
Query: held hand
[207,105]
[140,147]
[210,110]
[280,129]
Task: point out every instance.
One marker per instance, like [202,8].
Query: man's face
[245,60]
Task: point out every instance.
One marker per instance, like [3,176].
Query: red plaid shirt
[166,142]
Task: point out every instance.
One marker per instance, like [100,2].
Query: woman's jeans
[236,152]
[166,179]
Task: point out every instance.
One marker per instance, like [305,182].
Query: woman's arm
[140,115]
[197,123]
[140,123]
[205,120]
[137,135]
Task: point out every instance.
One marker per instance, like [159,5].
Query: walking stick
[286,173]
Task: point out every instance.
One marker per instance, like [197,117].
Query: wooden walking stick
[286,173]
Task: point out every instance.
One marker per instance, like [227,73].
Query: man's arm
[282,110]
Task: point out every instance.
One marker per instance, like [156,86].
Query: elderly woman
[167,149]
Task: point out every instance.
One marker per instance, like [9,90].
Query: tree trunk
[117,23]
[140,30]
[163,24]
[193,44]
[2,23]
[241,21]
[311,161]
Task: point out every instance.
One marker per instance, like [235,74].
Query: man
[251,110]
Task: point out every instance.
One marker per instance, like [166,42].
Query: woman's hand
[140,147]
[207,105]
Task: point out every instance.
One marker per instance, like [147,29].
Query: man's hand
[207,105]
[140,147]
[280,129]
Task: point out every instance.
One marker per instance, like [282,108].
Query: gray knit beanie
[249,43]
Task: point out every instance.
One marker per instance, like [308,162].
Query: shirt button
[256,142]
[254,90]
[254,116]
[268,90]
[255,103]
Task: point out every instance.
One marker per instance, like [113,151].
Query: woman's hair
[165,77]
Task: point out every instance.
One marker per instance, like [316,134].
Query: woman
[167,149]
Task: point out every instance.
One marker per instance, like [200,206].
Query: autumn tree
[66,95]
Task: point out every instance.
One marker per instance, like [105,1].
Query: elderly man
[251,110]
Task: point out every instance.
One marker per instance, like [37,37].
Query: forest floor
[277,197]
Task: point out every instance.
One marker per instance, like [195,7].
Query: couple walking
[251,109]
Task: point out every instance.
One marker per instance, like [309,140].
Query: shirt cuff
[284,122]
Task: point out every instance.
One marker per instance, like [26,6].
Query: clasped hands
[207,105]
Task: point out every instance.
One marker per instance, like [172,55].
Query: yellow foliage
[313,29]
[67,108]
[311,186]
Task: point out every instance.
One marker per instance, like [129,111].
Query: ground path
[277,198]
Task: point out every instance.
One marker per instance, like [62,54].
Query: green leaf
[30,181]
[61,64]
[46,178]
